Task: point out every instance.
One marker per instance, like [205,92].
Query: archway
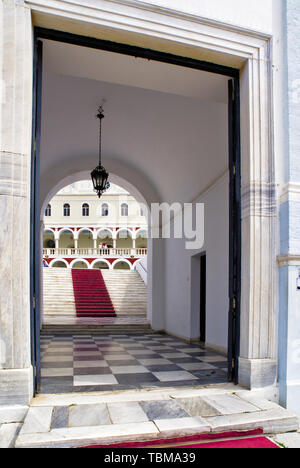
[101,265]
[80,264]
[105,238]
[58,264]
[85,239]
[66,239]
[48,239]
[122,265]
[124,239]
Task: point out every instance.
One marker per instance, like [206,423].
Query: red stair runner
[91,296]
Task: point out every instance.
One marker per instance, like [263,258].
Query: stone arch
[101,260]
[79,260]
[58,260]
[120,260]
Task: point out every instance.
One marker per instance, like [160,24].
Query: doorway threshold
[82,419]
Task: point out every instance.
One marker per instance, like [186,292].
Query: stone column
[258,340]
[289,260]
[15,155]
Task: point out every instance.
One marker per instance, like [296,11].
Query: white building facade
[82,231]
[166,140]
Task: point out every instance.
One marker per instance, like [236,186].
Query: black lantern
[99,175]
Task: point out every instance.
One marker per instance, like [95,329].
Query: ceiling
[165,127]
[82,62]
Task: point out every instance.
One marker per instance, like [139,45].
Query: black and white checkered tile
[117,362]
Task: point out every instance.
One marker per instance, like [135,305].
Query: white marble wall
[15,149]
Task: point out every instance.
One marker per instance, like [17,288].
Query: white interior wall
[183,280]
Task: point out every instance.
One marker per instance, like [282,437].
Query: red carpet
[249,439]
[91,296]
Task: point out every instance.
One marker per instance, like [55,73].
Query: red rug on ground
[91,296]
[248,439]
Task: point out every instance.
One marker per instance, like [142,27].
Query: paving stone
[73,436]
[182,426]
[198,407]
[60,417]
[38,420]
[88,415]
[122,413]
[12,414]
[8,434]
[163,410]
[272,422]
[230,404]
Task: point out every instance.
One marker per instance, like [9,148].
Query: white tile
[57,372]
[83,364]
[154,362]
[174,376]
[90,380]
[137,352]
[126,413]
[57,359]
[129,370]
[86,353]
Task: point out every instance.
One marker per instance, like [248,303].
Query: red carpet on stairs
[91,296]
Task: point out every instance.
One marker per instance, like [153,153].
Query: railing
[90,252]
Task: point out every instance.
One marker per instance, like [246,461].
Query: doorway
[232,167]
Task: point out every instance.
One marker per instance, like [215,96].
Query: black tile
[130,362]
[183,360]
[92,371]
[163,368]
[133,379]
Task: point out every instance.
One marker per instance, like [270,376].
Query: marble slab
[123,413]
[88,415]
[38,420]
[182,426]
[73,436]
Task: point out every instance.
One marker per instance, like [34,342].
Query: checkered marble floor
[88,363]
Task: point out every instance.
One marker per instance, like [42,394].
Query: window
[104,209]
[67,209]
[48,210]
[124,209]
[85,210]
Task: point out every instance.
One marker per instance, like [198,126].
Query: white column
[15,156]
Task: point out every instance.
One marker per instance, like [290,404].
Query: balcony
[90,252]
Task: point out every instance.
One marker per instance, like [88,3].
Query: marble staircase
[127,290]
[58,297]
